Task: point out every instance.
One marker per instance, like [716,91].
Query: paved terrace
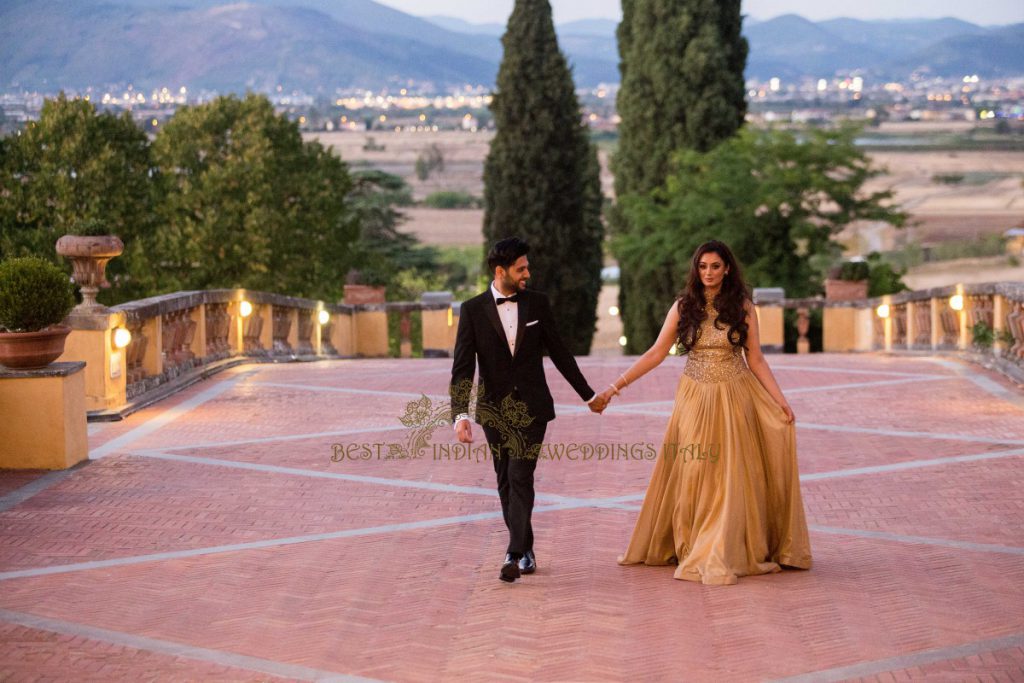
[212,537]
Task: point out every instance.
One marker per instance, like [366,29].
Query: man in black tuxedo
[506,330]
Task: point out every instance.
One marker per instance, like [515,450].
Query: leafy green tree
[74,167]
[383,250]
[682,87]
[778,202]
[248,204]
[883,278]
[541,178]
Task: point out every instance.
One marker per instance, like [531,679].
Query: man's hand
[464,431]
[599,404]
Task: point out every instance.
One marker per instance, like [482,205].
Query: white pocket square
[532,322]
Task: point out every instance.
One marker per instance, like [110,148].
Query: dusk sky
[983,12]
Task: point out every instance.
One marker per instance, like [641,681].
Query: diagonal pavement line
[352,390]
[272,543]
[911,464]
[168,416]
[875,469]
[917,435]
[23,493]
[275,439]
[638,410]
[898,538]
[852,371]
[565,410]
[925,540]
[907,661]
[358,478]
[964,371]
[864,385]
[173,649]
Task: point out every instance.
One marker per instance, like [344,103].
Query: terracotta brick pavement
[214,538]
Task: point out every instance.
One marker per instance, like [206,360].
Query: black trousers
[515,483]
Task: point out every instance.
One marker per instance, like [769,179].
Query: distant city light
[774,84]
[822,85]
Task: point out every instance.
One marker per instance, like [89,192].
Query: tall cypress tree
[682,65]
[542,177]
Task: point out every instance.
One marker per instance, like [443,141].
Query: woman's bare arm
[759,366]
[651,358]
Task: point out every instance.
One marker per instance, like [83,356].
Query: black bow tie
[502,299]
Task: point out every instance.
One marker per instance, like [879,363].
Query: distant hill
[998,52]
[791,46]
[463,26]
[904,36]
[320,45]
[231,47]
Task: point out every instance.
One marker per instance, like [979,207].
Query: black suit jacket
[480,338]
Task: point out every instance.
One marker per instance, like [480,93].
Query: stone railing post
[370,324]
[768,307]
[438,320]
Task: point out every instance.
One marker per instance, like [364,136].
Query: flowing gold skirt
[724,498]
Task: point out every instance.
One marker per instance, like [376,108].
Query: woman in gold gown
[724,498]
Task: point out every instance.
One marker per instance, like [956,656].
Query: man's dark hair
[506,252]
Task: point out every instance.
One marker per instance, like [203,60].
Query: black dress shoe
[510,569]
[528,563]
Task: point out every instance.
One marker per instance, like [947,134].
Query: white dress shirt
[508,311]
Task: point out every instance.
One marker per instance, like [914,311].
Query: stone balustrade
[941,319]
[179,338]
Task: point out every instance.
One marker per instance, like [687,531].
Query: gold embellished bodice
[713,358]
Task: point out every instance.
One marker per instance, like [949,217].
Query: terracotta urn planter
[89,255]
[32,350]
[845,290]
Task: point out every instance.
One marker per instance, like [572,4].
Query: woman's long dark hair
[728,302]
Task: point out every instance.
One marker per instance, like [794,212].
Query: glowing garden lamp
[122,338]
[956,302]
[245,309]
[324,317]
[882,311]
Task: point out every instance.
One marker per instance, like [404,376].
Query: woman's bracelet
[615,389]
[623,376]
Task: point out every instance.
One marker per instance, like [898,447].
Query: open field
[989,198]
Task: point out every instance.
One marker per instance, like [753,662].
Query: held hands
[599,404]
[602,400]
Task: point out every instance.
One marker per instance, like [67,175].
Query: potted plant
[90,246]
[848,281]
[35,296]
